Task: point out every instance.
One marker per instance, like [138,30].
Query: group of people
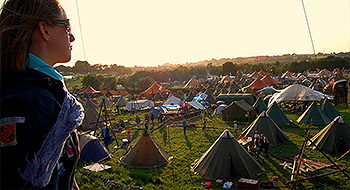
[260,143]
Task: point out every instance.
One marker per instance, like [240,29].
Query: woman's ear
[44,30]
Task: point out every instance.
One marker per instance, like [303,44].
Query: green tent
[260,105]
[226,158]
[334,138]
[265,125]
[210,97]
[313,115]
[238,110]
[329,110]
[157,96]
[89,104]
[277,115]
[146,153]
[229,98]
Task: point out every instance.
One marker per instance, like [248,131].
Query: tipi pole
[343,155]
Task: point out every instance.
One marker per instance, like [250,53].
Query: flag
[169,79]
[331,82]
[256,60]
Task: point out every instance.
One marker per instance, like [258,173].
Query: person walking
[184,126]
[204,125]
[38,118]
[138,121]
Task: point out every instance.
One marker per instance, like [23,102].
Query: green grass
[187,149]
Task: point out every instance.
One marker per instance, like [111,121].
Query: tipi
[313,115]
[277,115]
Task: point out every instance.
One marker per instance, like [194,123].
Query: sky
[154,32]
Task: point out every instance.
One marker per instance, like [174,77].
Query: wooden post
[343,155]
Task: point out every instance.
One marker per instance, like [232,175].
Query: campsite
[167,157]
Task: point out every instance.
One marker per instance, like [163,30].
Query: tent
[226,158]
[260,105]
[269,80]
[89,104]
[210,97]
[191,95]
[157,96]
[226,79]
[265,125]
[92,149]
[329,110]
[192,83]
[334,138]
[277,115]
[218,110]
[139,104]
[146,154]
[324,73]
[229,98]
[156,111]
[313,115]
[297,92]
[90,90]
[255,74]
[238,110]
[91,115]
[199,97]
[152,90]
[107,101]
[173,101]
[121,101]
[268,90]
[256,85]
[196,105]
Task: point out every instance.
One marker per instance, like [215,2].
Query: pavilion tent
[152,90]
[89,104]
[269,80]
[265,125]
[226,158]
[107,101]
[260,105]
[238,110]
[192,83]
[139,105]
[277,115]
[313,115]
[121,101]
[210,97]
[329,110]
[297,92]
[146,153]
[256,85]
[334,138]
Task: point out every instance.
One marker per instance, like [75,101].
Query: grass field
[187,149]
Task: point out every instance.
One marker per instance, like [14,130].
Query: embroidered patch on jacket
[8,130]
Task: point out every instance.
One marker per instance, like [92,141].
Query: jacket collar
[36,63]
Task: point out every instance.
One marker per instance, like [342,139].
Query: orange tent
[255,74]
[122,92]
[104,92]
[256,85]
[226,78]
[269,80]
[90,90]
[261,73]
[152,90]
[193,83]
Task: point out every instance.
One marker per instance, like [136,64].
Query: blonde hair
[19,18]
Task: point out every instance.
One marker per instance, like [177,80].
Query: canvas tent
[297,92]
[238,110]
[334,138]
[152,90]
[196,105]
[229,98]
[139,104]
[269,80]
[157,96]
[106,100]
[173,101]
[146,153]
[226,79]
[90,116]
[256,85]
[313,115]
[121,101]
[226,158]
[329,110]
[89,104]
[92,149]
[324,73]
[90,90]
[210,97]
[192,83]
[156,111]
[260,105]
[265,125]
[277,115]
[218,110]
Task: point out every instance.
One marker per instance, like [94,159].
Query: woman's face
[62,38]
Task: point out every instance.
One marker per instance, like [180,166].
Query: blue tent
[156,111]
[92,149]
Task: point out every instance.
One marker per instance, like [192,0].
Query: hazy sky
[153,32]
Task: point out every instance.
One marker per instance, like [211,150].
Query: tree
[93,80]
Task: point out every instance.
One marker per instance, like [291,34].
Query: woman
[39,145]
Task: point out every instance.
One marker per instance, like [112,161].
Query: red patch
[8,135]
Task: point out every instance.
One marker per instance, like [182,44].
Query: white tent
[107,101]
[218,110]
[139,104]
[121,101]
[196,105]
[298,92]
[173,101]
